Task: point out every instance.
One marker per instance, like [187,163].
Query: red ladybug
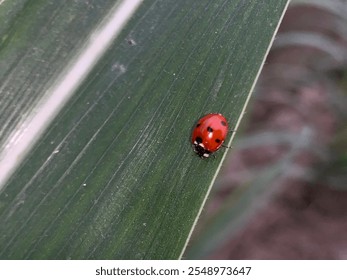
[209,134]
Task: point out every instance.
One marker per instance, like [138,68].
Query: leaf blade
[114,176]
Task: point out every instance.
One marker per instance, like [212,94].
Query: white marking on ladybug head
[205,155]
[199,144]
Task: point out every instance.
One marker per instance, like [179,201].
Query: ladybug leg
[227,147]
[232,131]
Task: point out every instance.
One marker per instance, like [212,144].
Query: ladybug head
[199,148]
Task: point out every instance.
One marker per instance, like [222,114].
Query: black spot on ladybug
[223,123]
[198,140]
[209,129]
[217,140]
[198,125]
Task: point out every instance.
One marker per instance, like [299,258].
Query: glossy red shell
[209,134]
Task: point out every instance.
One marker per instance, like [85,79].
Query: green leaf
[113,175]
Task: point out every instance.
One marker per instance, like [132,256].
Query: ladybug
[209,134]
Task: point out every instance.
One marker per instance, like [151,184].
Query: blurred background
[282,193]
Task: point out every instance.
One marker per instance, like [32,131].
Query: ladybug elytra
[209,134]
